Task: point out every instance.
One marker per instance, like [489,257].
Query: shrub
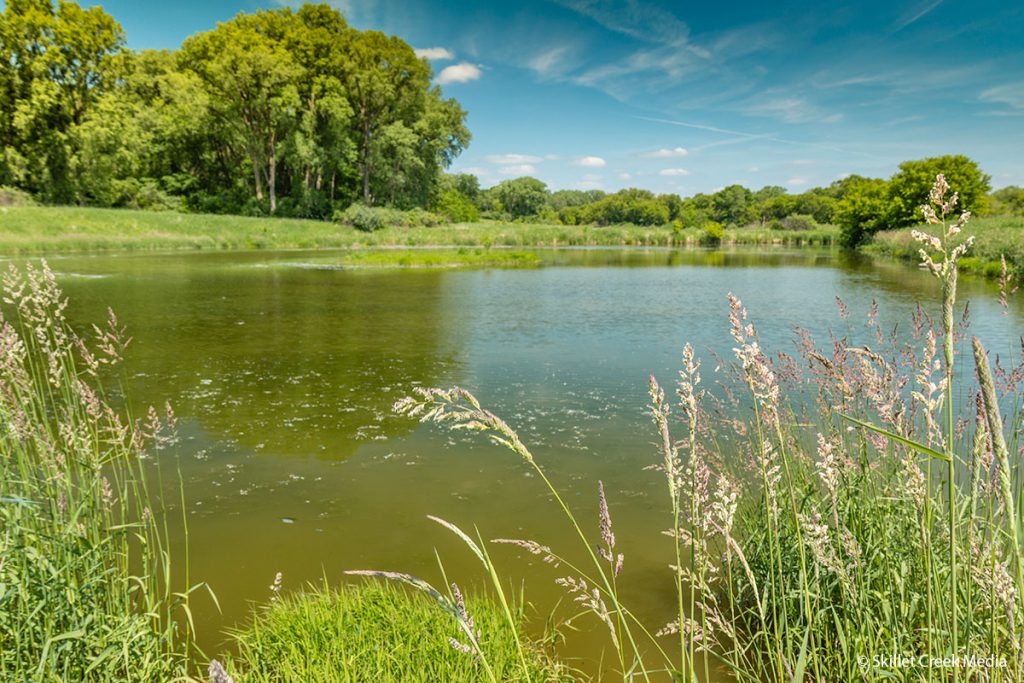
[377,632]
[713,234]
[799,222]
[457,207]
[371,218]
[12,196]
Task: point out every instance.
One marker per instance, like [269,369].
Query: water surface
[283,369]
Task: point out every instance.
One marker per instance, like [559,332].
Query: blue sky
[689,97]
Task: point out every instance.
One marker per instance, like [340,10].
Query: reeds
[838,520]
[86,585]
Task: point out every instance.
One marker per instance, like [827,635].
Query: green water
[283,369]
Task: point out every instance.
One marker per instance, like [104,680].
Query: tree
[1009,201]
[864,209]
[909,187]
[251,80]
[730,205]
[521,197]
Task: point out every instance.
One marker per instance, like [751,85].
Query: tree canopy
[281,111]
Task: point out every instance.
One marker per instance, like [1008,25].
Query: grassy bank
[37,229]
[382,633]
[994,237]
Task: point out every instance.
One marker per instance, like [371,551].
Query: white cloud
[593,162]
[796,182]
[459,73]
[434,53]
[666,153]
[1011,95]
[753,169]
[518,169]
[505,159]
[550,62]
[673,172]
[625,176]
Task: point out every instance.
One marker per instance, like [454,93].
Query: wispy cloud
[459,73]
[797,182]
[640,20]
[916,14]
[434,53]
[518,169]
[665,153]
[505,159]
[1011,94]
[550,62]
[673,172]
[592,162]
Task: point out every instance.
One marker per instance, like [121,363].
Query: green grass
[994,237]
[47,229]
[377,632]
[461,257]
[87,591]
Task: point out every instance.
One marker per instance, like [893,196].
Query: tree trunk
[366,165]
[272,181]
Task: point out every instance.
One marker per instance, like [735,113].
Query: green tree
[1008,201]
[730,205]
[864,209]
[251,80]
[521,197]
[909,187]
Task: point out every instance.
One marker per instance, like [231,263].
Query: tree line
[860,206]
[286,112]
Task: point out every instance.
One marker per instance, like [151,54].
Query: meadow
[36,229]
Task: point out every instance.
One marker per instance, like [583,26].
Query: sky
[692,96]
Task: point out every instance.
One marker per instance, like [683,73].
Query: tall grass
[86,588]
[852,513]
[997,238]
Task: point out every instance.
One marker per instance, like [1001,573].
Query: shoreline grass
[48,229]
[88,589]
[379,632]
[995,237]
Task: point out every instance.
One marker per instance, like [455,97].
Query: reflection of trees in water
[285,360]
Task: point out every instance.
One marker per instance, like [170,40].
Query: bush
[377,632]
[799,222]
[12,196]
[714,233]
[371,218]
[457,207]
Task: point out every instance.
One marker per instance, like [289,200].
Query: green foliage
[714,233]
[864,210]
[908,188]
[378,632]
[12,196]
[520,197]
[633,206]
[457,207]
[1007,201]
[86,585]
[798,222]
[284,109]
[371,218]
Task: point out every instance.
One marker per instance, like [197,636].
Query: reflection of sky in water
[284,378]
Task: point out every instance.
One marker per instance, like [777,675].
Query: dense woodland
[288,112]
[294,113]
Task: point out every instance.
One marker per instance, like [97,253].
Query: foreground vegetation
[871,533]
[87,591]
[380,633]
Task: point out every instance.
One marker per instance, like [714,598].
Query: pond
[283,369]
